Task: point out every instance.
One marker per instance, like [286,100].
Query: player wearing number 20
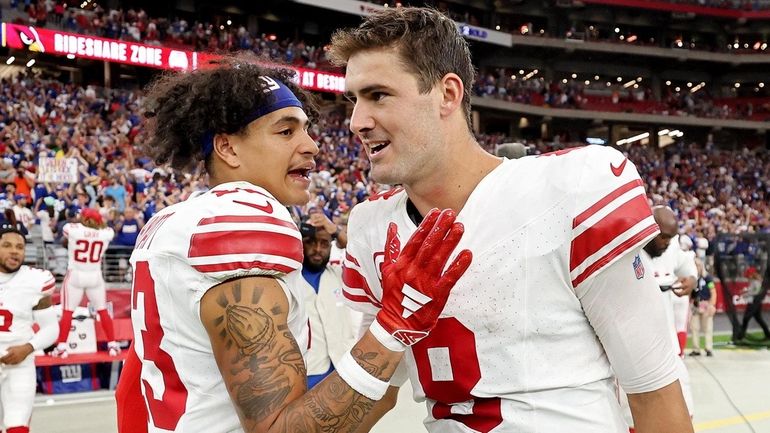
[219,324]
[554,300]
[87,241]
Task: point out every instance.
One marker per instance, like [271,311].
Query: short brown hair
[426,40]
[183,108]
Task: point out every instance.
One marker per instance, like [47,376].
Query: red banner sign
[48,41]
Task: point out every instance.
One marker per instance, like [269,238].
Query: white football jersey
[86,246]
[235,230]
[513,350]
[18,296]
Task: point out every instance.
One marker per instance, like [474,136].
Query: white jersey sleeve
[685,266]
[356,288]
[624,307]
[361,273]
[47,282]
[250,234]
[611,216]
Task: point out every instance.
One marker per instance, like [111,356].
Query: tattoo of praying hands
[250,328]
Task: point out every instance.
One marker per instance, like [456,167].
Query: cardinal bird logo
[31,39]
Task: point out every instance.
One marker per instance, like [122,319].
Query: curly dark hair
[182,108]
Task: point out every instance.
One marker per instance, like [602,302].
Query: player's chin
[296,196]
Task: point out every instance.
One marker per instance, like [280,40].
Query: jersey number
[448,367]
[6,320]
[167,409]
[88,252]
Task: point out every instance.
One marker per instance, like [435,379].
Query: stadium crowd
[629,95]
[712,190]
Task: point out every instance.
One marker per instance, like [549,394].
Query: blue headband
[280,97]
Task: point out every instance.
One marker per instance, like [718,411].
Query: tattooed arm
[263,369]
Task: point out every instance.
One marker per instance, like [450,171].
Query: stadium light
[629,84]
[564,81]
[636,86]
[574,76]
[737,85]
[633,139]
[530,75]
[513,77]
[497,27]
[617,29]
[71,56]
[763,47]
[608,84]
[596,77]
[631,39]
[668,82]
[10,60]
[689,84]
[587,82]
[736,45]
[761,85]
[30,63]
[639,79]
[622,37]
[229,22]
[521,71]
[663,132]
[620,79]
[677,88]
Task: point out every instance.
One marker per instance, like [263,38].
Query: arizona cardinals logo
[31,39]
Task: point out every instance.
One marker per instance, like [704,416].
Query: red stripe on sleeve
[232,266]
[247,219]
[48,286]
[245,242]
[359,299]
[607,229]
[353,279]
[605,201]
[352,259]
[617,251]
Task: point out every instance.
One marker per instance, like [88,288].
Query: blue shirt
[313,278]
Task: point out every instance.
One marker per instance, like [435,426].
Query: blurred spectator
[704,302]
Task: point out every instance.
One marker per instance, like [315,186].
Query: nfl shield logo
[638,267]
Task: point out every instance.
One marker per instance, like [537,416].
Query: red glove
[414,289]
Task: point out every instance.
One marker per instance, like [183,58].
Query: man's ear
[452,91]
[226,150]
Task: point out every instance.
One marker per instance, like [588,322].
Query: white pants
[77,283]
[17,392]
